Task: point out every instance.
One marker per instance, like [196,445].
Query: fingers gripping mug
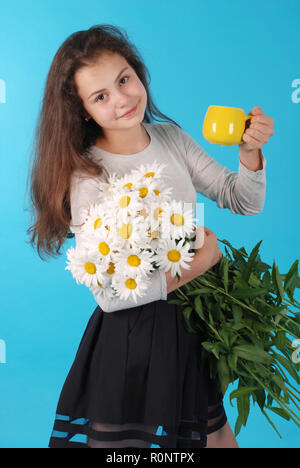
[225,125]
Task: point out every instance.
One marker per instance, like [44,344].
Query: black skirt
[136,382]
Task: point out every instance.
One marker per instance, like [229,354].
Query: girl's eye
[124,78]
[98,98]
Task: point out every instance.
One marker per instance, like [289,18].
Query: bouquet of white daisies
[134,230]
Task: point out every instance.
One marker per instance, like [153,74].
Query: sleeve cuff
[254,174]
[157,291]
[163,284]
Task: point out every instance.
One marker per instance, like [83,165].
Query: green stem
[292,303]
[294,388]
[287,381]
[289,319]
[215,332]
[284,329]
[207,283]
[271,422]
[279,401]
[242,253]
[182,293]
[293,400]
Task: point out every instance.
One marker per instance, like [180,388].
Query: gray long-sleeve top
[189,170]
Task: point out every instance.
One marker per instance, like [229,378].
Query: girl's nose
[120,98]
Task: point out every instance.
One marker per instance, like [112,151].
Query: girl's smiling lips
[128,113]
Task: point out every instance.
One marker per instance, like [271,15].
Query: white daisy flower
[145,189]
[174,256]
[99,218]
[161,192]
[126,183]
[156,216]
[133,231]
[103,290]
[133,261]
[150,171]
[109,274]
[177,219]
[84,267]
[101,246]
[131,285]
[126,203]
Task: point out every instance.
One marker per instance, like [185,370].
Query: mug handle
[247,117]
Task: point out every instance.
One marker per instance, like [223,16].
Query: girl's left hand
[258,132]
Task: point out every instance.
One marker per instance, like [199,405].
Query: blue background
[199,53]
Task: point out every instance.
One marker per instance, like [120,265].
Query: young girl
[136,379]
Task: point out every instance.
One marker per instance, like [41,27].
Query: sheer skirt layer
[84,433]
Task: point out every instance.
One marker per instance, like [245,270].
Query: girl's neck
[126,142]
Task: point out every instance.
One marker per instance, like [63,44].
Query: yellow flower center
[97,223]
[157,192]
[143,213]
[90,268]
[103,248]
[177,219]
[130,283]
[99,284]
[124,201]
[143,192]
[111,268]
[157,212]
[107,227]
[133,260]
[153,234]
[129,185]
[149,174]
[174,255]
[125,231]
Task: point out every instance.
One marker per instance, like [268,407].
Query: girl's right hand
[208,255]
[204,258]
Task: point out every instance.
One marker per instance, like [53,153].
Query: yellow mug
[225,125]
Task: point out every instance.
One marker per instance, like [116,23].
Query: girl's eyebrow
[100,90]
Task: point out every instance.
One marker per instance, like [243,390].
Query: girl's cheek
[138,88]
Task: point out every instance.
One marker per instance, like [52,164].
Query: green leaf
[245,293]
[251,353]
[199,308]
[243,405]
[225,274]
[280,411]
[242,391]
[187,313]
[260,397]
[291,280]
[267,283]
[238,425]
[277,282]
[237,313]
[177,302]
[232,361]
[250,263]
[280,340]
[215,348]
[223,372]
[238,254]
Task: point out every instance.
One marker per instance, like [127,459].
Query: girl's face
[109,89]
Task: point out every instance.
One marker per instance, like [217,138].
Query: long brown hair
[62,135]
